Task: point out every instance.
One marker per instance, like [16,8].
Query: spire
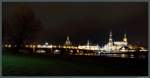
[88,42]
[68,41]
[125,38]
[110,37]
[68,38]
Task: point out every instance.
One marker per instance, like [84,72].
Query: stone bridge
[63,50]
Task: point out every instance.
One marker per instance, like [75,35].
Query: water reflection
[132,56]
[125,55]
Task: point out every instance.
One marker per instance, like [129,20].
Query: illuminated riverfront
[112,54]
[87,49]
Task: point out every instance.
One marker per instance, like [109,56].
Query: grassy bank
[20,64]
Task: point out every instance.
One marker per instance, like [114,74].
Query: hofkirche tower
[125,40]
[110,42]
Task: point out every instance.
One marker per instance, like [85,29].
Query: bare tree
[25,25]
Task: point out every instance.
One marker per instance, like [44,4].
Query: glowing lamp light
[39,46]
[64,46]
[30,46]
[49,46]
[44,46]
[46,43]
[33,46]
[26,46]
[9,45]
[6,45]
[53,46]
[59,46]
[123,55]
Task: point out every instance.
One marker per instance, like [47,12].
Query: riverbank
[42,65]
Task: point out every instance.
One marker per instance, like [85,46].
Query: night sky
[80,21]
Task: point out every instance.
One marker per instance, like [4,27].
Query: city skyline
[75,39]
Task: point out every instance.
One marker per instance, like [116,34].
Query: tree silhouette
[25,25]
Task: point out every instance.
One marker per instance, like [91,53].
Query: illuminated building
[89,47]
[111,47]
[68,41]
[115,46]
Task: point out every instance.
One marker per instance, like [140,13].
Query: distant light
[30,46]
[56,51]
[39,46]
[132,50]
[143,50]
[26,46]
[77,51]
[49,46]
[59,46]
[6,45]
[44,46]
[9,45]
[41,51]
[71,50]
[123,55]
[131,56]
[46,43]
[33,46]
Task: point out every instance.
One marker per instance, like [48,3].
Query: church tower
[68,41]
[110,39]
[125,39]
[88,42]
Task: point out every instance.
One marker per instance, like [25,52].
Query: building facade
[115,46]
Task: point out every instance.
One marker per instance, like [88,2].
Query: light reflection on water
[124,55]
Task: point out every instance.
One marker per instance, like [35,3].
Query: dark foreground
[43,65]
